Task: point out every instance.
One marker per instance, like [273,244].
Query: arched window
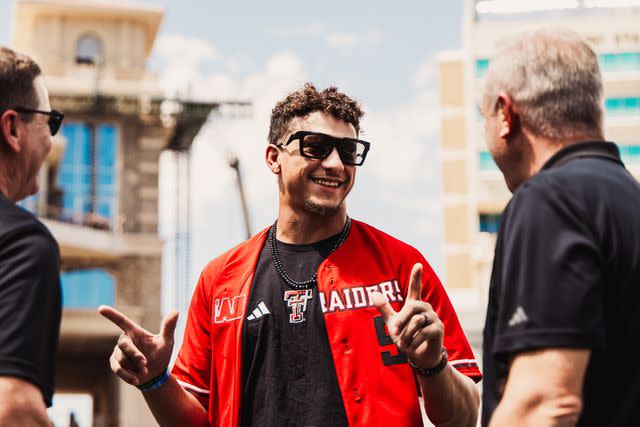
[89,50]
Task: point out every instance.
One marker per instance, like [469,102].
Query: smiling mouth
[332,183]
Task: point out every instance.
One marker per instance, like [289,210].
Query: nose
[333,161]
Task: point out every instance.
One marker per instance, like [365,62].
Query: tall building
[473,188]
[99,186]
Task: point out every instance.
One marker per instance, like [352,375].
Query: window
[626,61]
[87,289]
[489,223]
[89,50]
[486,162]
[87,175]
[609,62]
[482,65]
[622,106]
[630,155]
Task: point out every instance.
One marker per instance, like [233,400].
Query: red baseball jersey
[376,383]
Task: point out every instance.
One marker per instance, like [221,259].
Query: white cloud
[347,42]
[405,139]
[425,74]
[238,63]
[184,57]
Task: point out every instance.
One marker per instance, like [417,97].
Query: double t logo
[297,300]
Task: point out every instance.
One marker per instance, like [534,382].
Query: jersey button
[329,267]
[356,395]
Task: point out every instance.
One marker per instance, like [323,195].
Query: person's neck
[544,149]
[541,149]
[302,228]
[4,187]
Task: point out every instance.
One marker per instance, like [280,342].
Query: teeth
[326,182]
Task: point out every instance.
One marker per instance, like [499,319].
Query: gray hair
[554,79]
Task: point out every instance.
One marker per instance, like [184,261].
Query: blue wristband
[155,383]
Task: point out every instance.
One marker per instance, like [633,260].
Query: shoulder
[368,234]
[236,256]
[22,231]
[383,248]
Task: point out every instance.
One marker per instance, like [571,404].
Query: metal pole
[187,243]
[235,164]
[177,243]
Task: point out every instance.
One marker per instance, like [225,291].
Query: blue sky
[381,53]
[379,70]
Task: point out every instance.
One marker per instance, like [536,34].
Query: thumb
[382,304]
[169,325]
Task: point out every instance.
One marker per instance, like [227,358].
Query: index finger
[415,283]
[122,321]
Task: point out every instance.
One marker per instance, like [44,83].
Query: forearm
[21,404]
[172,405]
[541,411]
[18,416]
[450,398]
[544,388]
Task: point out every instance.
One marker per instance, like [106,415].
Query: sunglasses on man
[55,117]
[316,145]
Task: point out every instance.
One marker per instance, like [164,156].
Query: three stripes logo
[261,310]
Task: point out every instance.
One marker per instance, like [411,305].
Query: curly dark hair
[307,100]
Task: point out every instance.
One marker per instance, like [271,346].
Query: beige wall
[453,133]
[452,92]
[458,270]
[455,177]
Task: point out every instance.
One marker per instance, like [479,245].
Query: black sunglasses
[55,117]
[316,145]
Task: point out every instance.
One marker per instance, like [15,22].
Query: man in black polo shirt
[564,303]
[30,303]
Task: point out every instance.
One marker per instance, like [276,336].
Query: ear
[10,130]
[508,118]
[272,157]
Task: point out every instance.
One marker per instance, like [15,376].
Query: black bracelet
[432,371]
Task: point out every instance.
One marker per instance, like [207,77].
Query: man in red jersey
[317,320]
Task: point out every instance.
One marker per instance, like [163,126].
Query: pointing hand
[140,355]
[416,329]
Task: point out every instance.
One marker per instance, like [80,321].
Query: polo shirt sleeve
[551,284]
[460,354]
[193,365]
[29,305]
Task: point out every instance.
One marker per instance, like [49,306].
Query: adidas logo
[518,317]
[261,310]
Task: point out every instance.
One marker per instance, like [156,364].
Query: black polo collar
[603,149]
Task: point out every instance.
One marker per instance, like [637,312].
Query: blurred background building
[474,192]
[99,187]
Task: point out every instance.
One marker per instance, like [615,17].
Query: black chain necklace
[277,262]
